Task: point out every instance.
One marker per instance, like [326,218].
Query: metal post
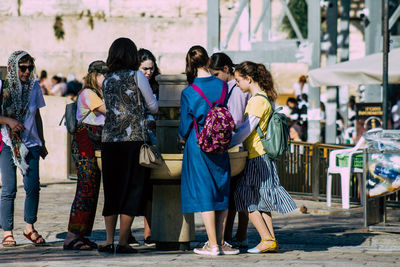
[344,30]
[267,20]
[242,5]
[315,164]
[344,55]
[331,106]
[364,196]
[373,43]
[314,37]
[213,26]
[385,78]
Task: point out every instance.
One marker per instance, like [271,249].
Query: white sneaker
[207,250]
[226,249]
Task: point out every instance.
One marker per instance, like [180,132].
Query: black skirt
[123,178]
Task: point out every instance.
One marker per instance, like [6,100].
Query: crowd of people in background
[296,110]
[59,85]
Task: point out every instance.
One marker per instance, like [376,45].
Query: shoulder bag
[150,155]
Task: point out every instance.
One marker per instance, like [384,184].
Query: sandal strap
[88,242]
[74,246]
[7,236]
[29,236]
[268,239]
[71,245]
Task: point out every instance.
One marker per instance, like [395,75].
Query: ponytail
[266,83]
[259,74]
[196,58]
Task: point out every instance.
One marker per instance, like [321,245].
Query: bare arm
[101,109]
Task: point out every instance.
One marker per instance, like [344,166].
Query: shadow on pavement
[306,232]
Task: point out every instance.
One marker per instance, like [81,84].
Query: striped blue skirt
[259,188]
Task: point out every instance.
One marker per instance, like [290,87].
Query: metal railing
[303,171]
[304,168]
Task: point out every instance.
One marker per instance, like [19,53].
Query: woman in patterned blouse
[123,177]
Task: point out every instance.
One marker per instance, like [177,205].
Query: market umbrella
[366,70]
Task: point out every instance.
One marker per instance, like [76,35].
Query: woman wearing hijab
[23,143]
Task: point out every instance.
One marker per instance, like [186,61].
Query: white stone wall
[166,27]
[113,8]
[83,45]
[56,165]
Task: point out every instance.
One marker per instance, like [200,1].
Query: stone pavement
[322,237]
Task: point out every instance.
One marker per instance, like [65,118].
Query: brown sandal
[36,240]
[8,243]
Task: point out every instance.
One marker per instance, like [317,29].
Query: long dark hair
[196,58]
[144,55]
[260,74]
[219,60]
[122,55]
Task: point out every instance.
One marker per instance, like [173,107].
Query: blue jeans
[9,187]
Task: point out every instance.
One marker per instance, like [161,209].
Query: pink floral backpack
[216,134]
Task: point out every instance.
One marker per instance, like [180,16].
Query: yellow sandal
[271,248]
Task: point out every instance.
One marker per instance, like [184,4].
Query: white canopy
[366,70]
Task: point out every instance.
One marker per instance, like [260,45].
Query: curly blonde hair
[90,82]
[259,73]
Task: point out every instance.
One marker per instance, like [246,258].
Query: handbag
[149,155]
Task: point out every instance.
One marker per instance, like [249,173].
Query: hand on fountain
[181,144]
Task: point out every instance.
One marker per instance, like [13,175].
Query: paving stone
[323,237]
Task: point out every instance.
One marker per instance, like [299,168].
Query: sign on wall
[368,116]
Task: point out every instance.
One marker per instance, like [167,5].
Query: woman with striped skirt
[259,191]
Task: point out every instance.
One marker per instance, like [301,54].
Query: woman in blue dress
[205,176]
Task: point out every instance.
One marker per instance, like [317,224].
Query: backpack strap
[223,94]
[200,92]
[258,129]
[230,92]
[220,101]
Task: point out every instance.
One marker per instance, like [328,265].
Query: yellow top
[257,106]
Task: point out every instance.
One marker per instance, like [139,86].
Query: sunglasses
[24,68]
